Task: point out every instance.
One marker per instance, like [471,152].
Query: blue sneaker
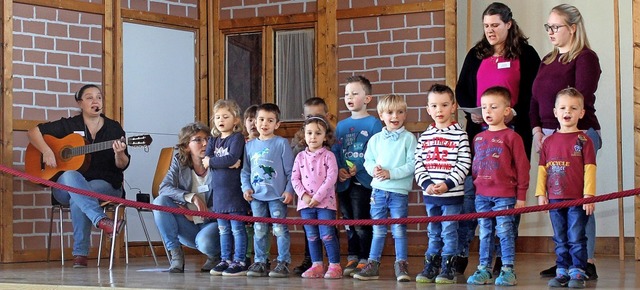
[507,277]
[577,278]
[218,269]
[561,279]
[236,268]
[482,276]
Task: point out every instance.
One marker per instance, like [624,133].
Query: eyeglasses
[553,28]
[198,140]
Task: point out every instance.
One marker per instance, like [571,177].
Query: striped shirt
[443,155]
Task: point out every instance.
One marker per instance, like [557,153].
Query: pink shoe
[314,272]
[334,272]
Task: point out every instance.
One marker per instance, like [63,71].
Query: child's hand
[306,198]
[520,203]
[236,165]
[353,170]
[313,203]
[543,200]
[248,195]
[205,162]
[380,173]
[431,189]
[589,207]
[440,188]
[288,197]
[343,174]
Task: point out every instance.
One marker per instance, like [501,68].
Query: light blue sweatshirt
[267,168]
[393,151]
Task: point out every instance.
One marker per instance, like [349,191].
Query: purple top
[499,71]
[583,73]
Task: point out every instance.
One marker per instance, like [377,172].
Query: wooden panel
[72,5]
[112,77]
[450,43]
[160,19]
[636,117]
[24,125]
[6,145]
[268,65]
[616,26]
[202,68]
[391,9]
[215,52]
[327,54]
[266,21]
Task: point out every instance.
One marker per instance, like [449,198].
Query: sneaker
[551,272]
[480,277]
[304,266]
[280,271]
[590,272]
[209,264]
[106,224]
[497,267]
[218,269]
[359,267]
[236,268]
[370,271]
[402,271]
[333,272]
[507,277]
[315,271]
[80,261]
[351,266]
[258,269]
[430,270]
[561,279]
[447,273]
[577,278]
[460,263]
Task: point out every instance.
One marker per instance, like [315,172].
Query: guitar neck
[90,148]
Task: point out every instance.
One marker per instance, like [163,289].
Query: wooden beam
[25,125]
[160,19]
[391,9]
[215,56]
[450,43]
[469,10]
[72,5]
[327,55]
[112,107]
[266,21]
[6,144]
[202,68]
[616,31]
[268,65]
[636,117]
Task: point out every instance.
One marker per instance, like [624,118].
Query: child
[392,172]
[250,122]
[224,156]
[266,183]
[354,183]
[501,176]
[443,159]
[567,170]
[313,177]
[312,106]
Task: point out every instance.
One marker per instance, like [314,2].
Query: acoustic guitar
[71,153]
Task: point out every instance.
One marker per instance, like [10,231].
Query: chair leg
[60,212]
[114,235]
[53,208]
[146,234]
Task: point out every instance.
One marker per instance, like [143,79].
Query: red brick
[96,62]
[377,62]
[42,199]
[79,32]
[292,8]
[432,32]
[228,3]
[426,85]
[352,64]
[419,73]
[68,16]
[18,55]
[96,34]
[56,114]
[383,88]
[139,5]
[392,21]
[34,56]
[192,12]
[17,112]
[68,45]
[361,3]
[46,43]
[225,14]
[344,25]
[311,7]
[160,8]
[46,100]
[345,52]
[417,46]
[36,242]
[391,48]
[56,29]
[22,98]
[438,73]
[23,11]
[413,114]
[39,189]
[22,69]
[35,213]
[33,114]
[22,228]
[45,71]
[68,73]
[438,45]
[67,100]
[432,58]
[176,10]
[44,13]
[34,84]
[403,87]
[378,36]
[365,23]
[79,60]
[33,27]
[405,60]
[93,19]
[18,83]
[419,19]
[352,38]
[405,34]
[392,74]
[420,102]
[24,41]
[56,86]
[90,47]
[57,58]
[89,76]
[17,243]
[365,50]
[268,10]
[240,13]
[438,18]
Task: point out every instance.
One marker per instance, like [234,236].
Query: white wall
[599,21]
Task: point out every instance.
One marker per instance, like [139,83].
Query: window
[243,77]
[294,69]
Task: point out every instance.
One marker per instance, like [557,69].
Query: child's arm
[423,179]
[522,166]
[541,185]
[408,168]
[287,164]
[370,155]
[327,187]
[296,177]
[208,152]
[245,177]
[589,155]
[236,148]
[462,166]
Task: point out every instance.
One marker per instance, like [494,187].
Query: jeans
[316,233]
[176,230]
[443,236]
[233,232]
[85,211]
[591,222]
[275,209]
[504,229]
[569,236]
[354,204]
[467,229]
[384,203]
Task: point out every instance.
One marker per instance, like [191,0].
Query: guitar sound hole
[65,153]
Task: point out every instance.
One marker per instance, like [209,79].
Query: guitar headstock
[140,140]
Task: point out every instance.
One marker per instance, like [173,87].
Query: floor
[141,273]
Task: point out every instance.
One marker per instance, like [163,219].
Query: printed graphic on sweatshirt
[221,152]
[436,152]
[486,157]
[353,144]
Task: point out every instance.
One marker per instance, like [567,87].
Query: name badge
[506,64]
[203,188]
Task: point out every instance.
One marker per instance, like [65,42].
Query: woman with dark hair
[502,57]
[188,185]
[103,175]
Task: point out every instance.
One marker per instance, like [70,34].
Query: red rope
[468,216]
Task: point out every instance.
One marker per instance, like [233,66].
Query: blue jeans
[316,233]
[275,209]
[504,229]
[176,230]
[354,204]
[233,232]
[384,203]
[569,236]
[467,229]
[85,211]
[443,236]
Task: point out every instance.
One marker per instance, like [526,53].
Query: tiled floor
[141,273]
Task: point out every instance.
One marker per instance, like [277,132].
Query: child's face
[224,120]
[494,110]
[440,107]
[314,110]
[355,98]
[266,123]
[394,119]
[250,125]
[314,135]
[568,111]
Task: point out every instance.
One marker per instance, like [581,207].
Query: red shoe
[106,224]
[80,262]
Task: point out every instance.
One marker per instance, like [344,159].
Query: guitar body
[35,166]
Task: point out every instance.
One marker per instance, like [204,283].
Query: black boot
[305,265]
[447,272]
[460,264]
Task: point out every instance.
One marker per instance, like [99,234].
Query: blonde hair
[234,109]
[391,102]
[579,39]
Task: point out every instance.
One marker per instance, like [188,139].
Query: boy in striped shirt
[443,159]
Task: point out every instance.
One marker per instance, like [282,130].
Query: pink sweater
[315,173]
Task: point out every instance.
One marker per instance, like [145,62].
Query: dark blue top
[225,181]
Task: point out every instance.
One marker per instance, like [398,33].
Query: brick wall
[182,8]
[235,9]
[55,53]
[345,4]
